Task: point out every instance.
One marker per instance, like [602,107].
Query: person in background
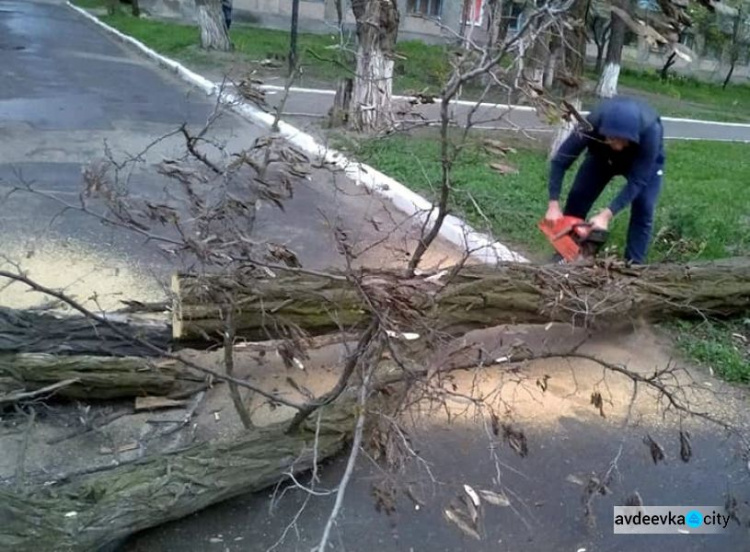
[626,138]
[226,7]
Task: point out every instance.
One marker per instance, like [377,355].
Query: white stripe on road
[526,108]
[324,92]
[455,230]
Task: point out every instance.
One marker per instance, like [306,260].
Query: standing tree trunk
[551,64]
[735,49]
[601,30]
[729,74]
[377,30]
[670,61]
[536,60]
[574,58]
[214,35]
[607,86]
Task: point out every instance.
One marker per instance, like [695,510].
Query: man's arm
[566,155]
[641,172]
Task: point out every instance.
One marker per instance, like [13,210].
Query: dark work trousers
[592,177]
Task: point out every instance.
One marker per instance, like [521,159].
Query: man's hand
[602,219]
[553,212]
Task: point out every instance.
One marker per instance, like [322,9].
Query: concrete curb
[454,230]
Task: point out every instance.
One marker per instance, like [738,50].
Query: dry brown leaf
[496,499]
[574,479]
[656,450]
[598,402]
[457,519]
[686,449]
[472,494]
[503,169]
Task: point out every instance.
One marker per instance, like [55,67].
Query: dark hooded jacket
[619,117]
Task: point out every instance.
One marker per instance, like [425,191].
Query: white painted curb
[454,230]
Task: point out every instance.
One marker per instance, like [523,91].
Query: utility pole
[293,39]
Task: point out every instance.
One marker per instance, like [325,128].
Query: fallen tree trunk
[34,332]
[88,512]
[95,377]
[479,296]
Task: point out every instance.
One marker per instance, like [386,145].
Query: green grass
[704,211]
[683,96]
[418,66]
[721,347]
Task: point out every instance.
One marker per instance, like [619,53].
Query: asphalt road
[314,102]
[70,92]
[66,87]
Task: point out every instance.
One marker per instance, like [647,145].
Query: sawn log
[85,513]
[96,377]
[24,331]
[479,296]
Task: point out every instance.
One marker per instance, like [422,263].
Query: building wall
[317,16]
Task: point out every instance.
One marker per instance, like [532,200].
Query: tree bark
[607,85]
[479,297]
[729,74]
[214,35]
[535,59]
[339,112]
[96,378]
[34,332]
[574,57]
[601,30]
[86,513]
[377,30]
[551,63]
[665,69]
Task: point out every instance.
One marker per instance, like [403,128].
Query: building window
[425,8]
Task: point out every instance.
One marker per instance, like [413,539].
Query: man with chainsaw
[625,137]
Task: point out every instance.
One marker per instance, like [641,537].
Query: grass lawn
[704,213]
[423,66]
[682,96]
[321,59]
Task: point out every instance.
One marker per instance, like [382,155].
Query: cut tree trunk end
[86,513]
[214,35]
[478,297]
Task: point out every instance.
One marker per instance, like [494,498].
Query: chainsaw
[574,239]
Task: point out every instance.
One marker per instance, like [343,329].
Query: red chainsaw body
[568,235]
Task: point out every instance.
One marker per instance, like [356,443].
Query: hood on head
[621,119]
